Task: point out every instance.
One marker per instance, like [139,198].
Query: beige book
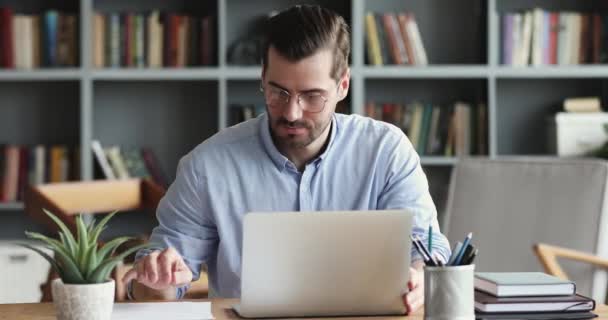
[583,104]
[575,38]
[373,43]
[117,163]
[99,30]
[537,37]
[416,126]
[416,38]
[526,39]
[155,41]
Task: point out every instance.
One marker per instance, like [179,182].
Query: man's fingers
[413,283]
[413,300]
[151,266]
[130,275]
[181,278]
[165,264]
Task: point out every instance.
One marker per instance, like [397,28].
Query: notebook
[516,284]
[487,303]
[535,316]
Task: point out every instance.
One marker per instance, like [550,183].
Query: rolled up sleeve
[406,187]
[185,222]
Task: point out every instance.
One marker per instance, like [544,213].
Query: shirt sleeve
[184,221]
[406,187]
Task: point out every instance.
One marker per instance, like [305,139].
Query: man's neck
[301,156]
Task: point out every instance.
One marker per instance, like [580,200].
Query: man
[300,155]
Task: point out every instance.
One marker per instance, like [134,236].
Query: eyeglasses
[278,98]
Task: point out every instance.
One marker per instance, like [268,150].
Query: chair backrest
[511,203]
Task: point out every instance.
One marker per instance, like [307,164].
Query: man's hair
[302,30]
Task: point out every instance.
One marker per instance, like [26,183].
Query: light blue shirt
[367,165]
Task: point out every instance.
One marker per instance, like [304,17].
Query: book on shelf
[453,130]
[120,163]
[21,166]
[516,284]
[243,112]
[393,38]
[153,40]
[540,37]
[583,104]
[29,41]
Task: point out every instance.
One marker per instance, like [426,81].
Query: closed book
[516,284]
[373,42]
[578,315]
[487,303]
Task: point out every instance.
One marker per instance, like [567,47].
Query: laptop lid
[333,263]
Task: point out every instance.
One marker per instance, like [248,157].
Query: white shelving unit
[172,110]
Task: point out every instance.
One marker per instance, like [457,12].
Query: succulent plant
[80,260]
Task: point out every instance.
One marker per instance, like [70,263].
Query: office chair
[68,199]
[512,203]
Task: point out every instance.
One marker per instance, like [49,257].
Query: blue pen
[465,244]
[430,246]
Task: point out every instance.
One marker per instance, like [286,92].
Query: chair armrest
[548,255]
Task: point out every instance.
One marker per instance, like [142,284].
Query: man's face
[293,124]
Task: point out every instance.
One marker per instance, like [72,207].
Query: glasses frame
[289,96]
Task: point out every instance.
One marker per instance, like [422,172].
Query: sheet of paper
[186,310]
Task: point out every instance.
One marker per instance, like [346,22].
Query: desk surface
[220,308]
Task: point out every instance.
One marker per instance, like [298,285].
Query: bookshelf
[171,110]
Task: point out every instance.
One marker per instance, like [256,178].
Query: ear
[263,72]
[344,85]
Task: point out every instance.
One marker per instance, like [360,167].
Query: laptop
[333,263]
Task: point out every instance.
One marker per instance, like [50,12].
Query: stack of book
[28,41]
[507,293]
[540,37]
[153,40]
[116,163]
[21,166]
[393,39]
[458,129]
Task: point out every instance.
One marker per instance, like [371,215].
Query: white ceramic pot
[83,301]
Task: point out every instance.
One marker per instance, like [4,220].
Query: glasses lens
[276,97]
[312,102]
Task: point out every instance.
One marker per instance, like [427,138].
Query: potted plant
[84,289]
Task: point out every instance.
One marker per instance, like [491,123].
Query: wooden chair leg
[45,288]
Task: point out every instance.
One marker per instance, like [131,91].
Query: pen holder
[449,293]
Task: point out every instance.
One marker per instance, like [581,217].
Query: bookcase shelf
[438,161]
[203,73]
[171,110]
[583,71]
[41,74]
[11,206]
[422,72]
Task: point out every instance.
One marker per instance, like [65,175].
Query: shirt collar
[279,159]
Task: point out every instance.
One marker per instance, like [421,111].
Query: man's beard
[290,142]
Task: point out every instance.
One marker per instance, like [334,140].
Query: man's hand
[160,270]
[414,299]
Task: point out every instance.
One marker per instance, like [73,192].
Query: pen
[471,257]
[455,251]
[465,244]
[421,244]
[430,246]
[427,260]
